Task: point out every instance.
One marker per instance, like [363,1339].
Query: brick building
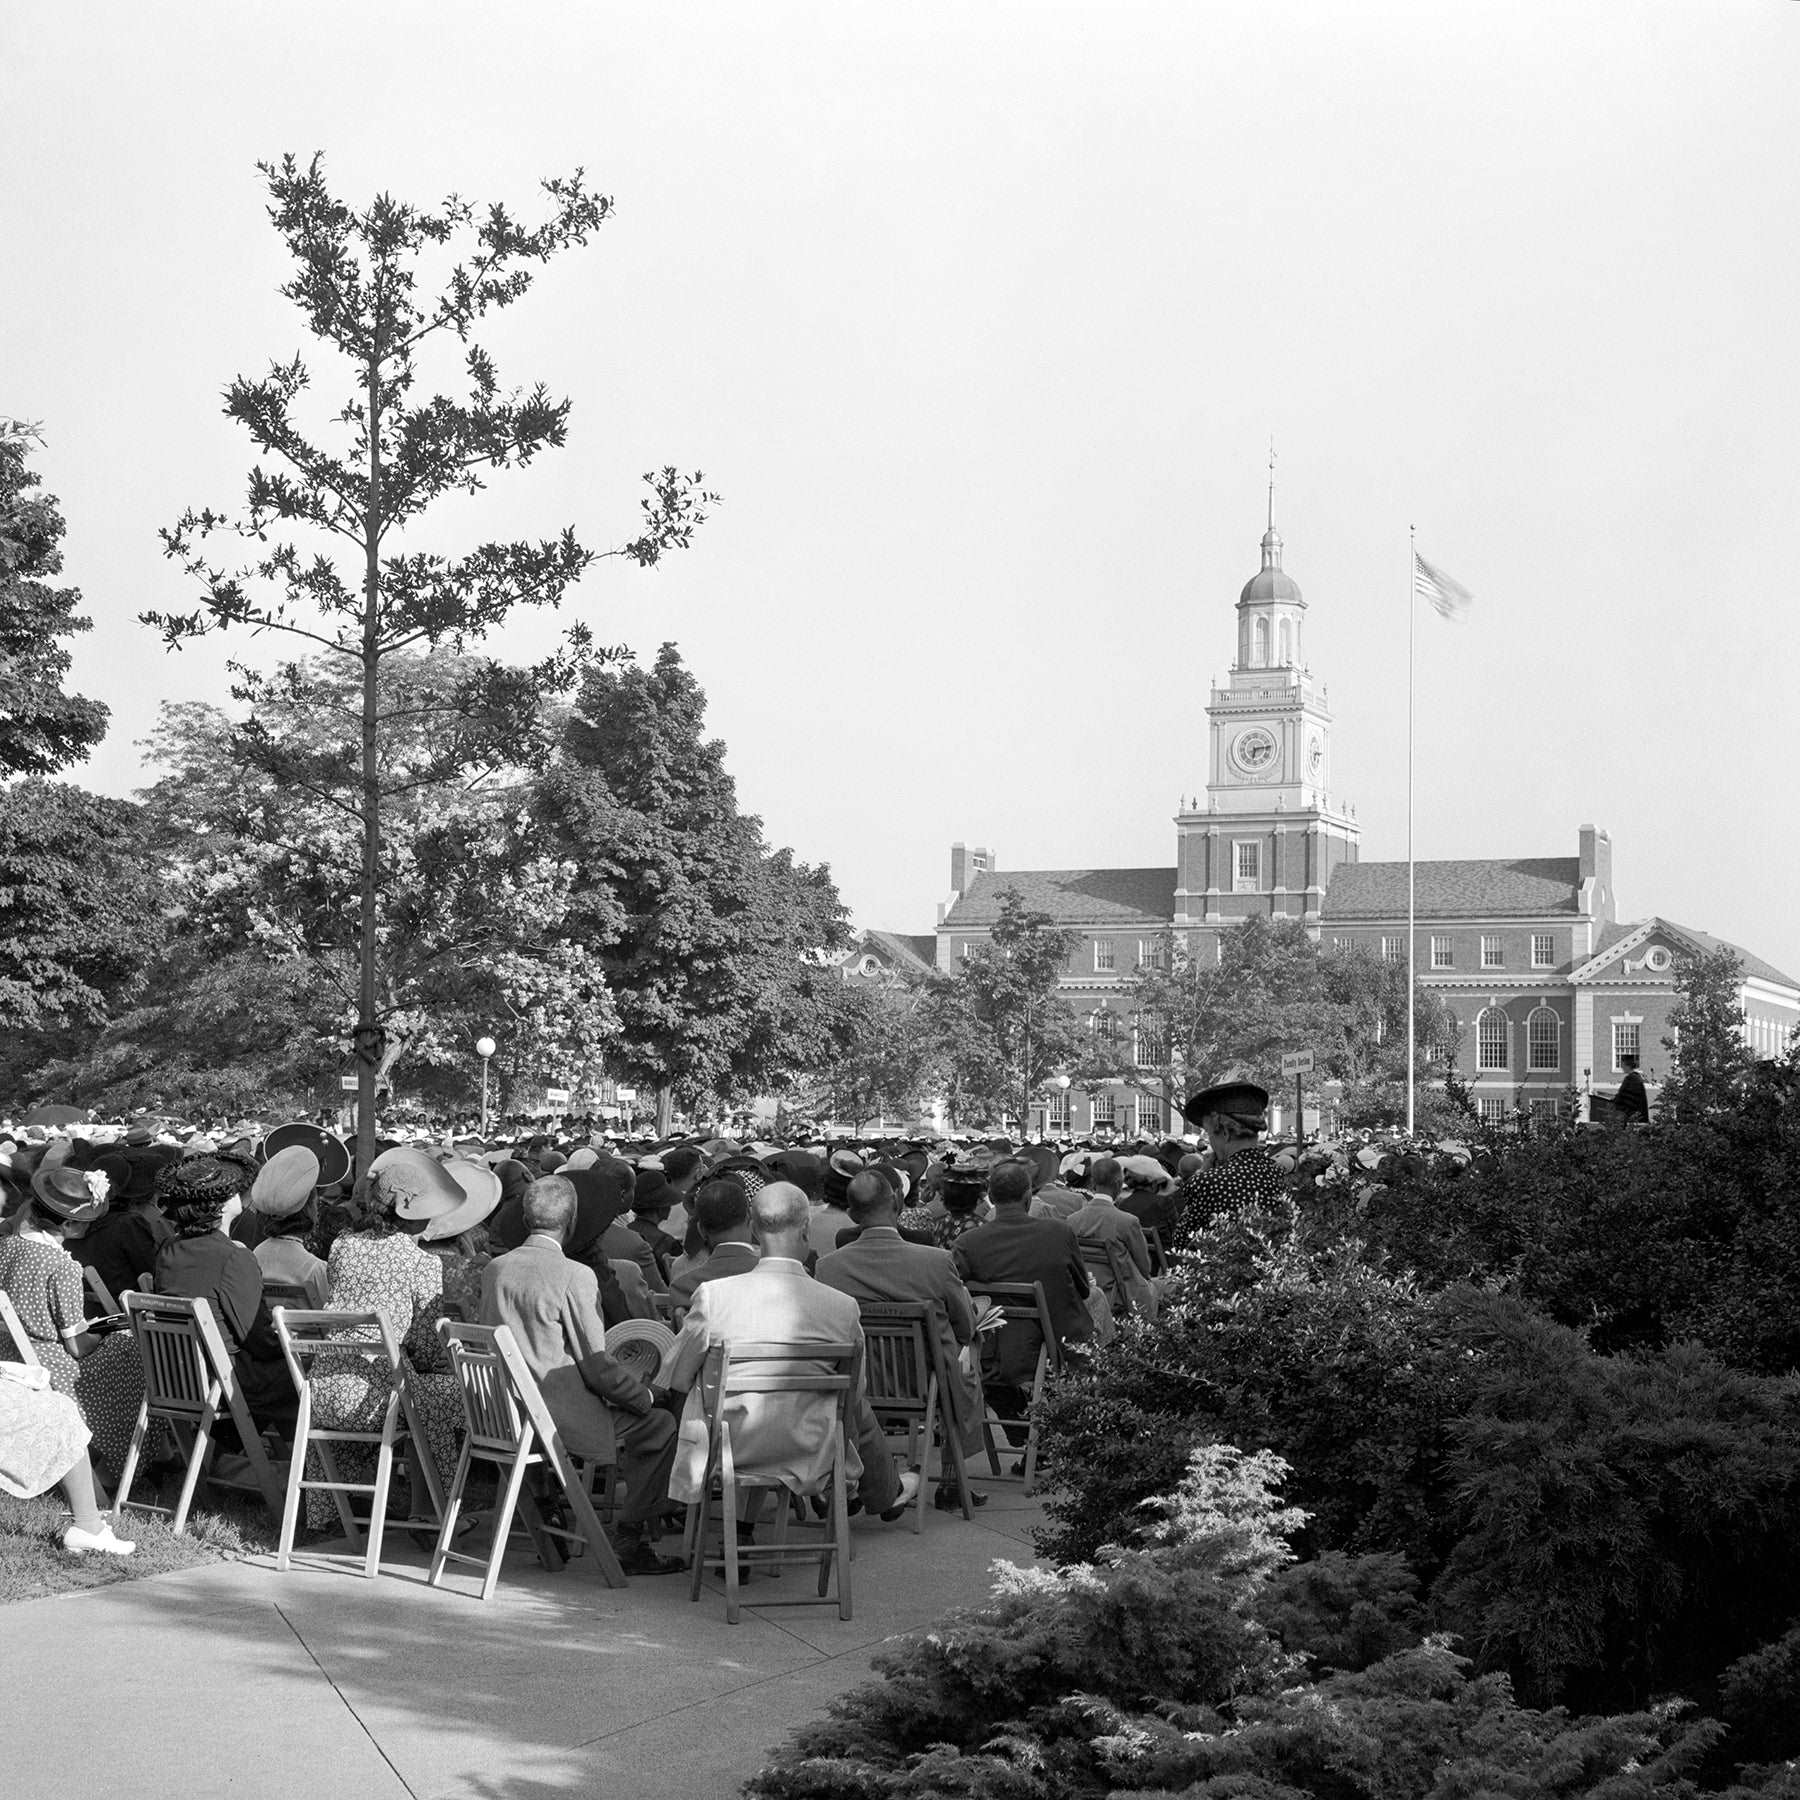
[1548,986]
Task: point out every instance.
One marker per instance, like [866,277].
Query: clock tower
[1268,832]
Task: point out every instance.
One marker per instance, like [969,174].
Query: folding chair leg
[509,1499]
[841,1506]
[728,1524]
[452,1508]
[384,1472]
[198,1458]
[575,1491]
[129,1473]
[290,1509]
[922,1435]
[958,1460]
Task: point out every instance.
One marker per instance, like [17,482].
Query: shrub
[1626,1524]
[1351,1375]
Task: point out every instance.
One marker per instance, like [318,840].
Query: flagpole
[1412,616]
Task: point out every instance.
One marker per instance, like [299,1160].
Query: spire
[1271,544]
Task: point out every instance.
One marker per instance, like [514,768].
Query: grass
[34,1564]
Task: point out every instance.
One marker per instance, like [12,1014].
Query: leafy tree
[42,728]
[1002,1031]
[78,910]
[714,947]
[475,928]
[323,520]
[1706,1035]
[888,1061]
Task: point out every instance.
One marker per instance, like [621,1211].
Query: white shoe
[102,1540]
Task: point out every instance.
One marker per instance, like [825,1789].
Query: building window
[1545,1112]
[1149,953]
[1392,949]
[1287,644]
[1543,950]
[965,950]
[1493,1109]
[1105,1026]
[1246,866]
[1058,1112]
[1490,1039]
[1440,953]
[1625,1040]
[1493,956]
[1260,637]
[1149,1116]
[1103,956]
[1151,1043]
[1104,1112]
[1543,1041]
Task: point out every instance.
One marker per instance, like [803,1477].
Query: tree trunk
[369,1056]
[665,1109]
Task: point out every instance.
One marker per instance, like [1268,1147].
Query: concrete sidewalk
[237,1680]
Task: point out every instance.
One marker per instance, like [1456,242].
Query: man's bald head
[779,1216]
[871,1200]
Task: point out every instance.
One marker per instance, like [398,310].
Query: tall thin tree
[358,284]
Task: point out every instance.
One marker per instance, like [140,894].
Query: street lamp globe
[485,1046]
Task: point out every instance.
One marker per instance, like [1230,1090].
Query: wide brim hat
[1243,1100]
[285,1183]
[1146,1171]
[840,1169]
[65,1192]
[415,1185]
[481,1194]
[333,1153]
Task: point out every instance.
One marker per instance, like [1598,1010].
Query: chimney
[959,868]
[1596,868]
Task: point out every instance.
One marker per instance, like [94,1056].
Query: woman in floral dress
[101,1374]
[378,1265]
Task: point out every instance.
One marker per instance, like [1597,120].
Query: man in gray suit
[1103,1221]
[880,1265]
[603,1411]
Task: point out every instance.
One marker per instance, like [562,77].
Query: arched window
[1490,1039]
[1543,1041]
[1261,655]
[1287,644]
[1104,1023]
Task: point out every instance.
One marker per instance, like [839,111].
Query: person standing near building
[1631,1104]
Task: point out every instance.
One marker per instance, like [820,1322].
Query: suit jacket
[823,1228]
[619,1243]
[784,1435]
[1026,1249]
[881,1265]
[725,1259]
[552,1306]
[1103,1222]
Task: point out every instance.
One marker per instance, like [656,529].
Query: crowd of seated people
[560,1240]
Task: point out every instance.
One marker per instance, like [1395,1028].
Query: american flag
[1445,592]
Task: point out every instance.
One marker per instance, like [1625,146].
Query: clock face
[1315,755]
[1253,750]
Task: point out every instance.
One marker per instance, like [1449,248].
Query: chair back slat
[23,1349]
[306,1334]
[898,1363]
[491,1407]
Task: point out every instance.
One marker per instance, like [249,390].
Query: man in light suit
[784,1434]
[880,1265]
[603,1411]
[1103,1221]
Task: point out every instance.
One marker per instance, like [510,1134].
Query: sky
[981,319]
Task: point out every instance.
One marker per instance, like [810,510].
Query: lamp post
[1061,1084]
[485,1048]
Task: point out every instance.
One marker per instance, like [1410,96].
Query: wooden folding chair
[96,1285]
[1153,1239]
[790,1368]
[188,1381]
[1023,1307]
[510,1427]
[24,1350]
[305,1336]
[1106,1262]
[287,1293]
[908,1388]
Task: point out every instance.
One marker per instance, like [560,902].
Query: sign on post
[1298,1063]
[347,1083]
[557,1096]
[625,1095]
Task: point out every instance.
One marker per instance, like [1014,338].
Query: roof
[1472,889]
[1071,896]
[1753,966]
[909,953]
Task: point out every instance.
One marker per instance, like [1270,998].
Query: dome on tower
[1271,581]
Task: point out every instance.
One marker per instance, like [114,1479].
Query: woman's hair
[195,1192]
[961,1196]
[294,1224]
[366,1213]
